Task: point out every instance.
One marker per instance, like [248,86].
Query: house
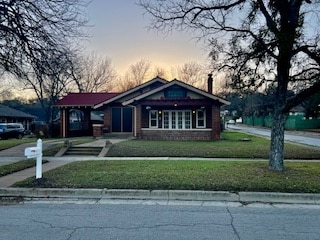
[11,115]
[155,110]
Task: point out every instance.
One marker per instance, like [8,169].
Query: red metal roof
[84,99]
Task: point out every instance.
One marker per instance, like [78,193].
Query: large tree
[93,73]
[32,31]
[258,43]
[137,74]
[192,73]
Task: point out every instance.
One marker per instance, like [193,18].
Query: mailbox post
[36,152]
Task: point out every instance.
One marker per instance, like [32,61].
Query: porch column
[64,122]
[87,121]
[137,121]
[216,122]
[107,119]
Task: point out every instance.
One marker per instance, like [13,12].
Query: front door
[122,119]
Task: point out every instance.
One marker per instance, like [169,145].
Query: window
[175,92]
[201,119]
[153,119]
[176,120]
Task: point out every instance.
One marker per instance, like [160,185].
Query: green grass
[17,166]
[5,144]
[190,175]
[232,146]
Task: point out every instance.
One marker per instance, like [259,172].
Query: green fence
[293,122]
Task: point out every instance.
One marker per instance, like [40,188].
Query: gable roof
[84,99]
[6,111]
[132,90]
[181,84]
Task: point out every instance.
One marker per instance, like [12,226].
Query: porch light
[148,108]
[176,104]
[193,111]
[159,112]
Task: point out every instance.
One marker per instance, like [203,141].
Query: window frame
[203,118]
[177,119]
[156,118]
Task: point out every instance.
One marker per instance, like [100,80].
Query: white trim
[157,118]
[176,119]
[204,118]
[167,129]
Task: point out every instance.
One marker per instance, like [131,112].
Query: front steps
[83,151]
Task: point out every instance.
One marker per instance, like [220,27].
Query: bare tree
[93,73]
[135,75]
[192,73]
[31,31]
[256,42]
[54,83]
[160,72]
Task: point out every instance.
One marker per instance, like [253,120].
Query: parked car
[11,130]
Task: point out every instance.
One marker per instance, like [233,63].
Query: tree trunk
[277,141]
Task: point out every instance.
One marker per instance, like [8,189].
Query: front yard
[250,173]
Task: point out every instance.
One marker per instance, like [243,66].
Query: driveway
[301,137]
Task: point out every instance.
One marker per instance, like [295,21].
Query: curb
[65,194]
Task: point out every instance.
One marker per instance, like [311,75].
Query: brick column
[107,119]
[216,122]
[137,121]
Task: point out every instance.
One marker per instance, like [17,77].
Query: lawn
[190,175]
[233,145]
[194,174]
[17,166]
[5,144]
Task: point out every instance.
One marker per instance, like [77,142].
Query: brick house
[155,110]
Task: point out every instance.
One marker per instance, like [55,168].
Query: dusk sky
[120,32]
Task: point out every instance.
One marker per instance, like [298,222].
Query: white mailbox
[32,152]
[36,152]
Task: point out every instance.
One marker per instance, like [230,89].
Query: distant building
[11,115]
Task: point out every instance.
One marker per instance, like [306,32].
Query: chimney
[210,80]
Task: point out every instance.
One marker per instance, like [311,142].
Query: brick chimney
[210,80]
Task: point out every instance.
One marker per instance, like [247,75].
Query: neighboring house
[157,109]
[11,115]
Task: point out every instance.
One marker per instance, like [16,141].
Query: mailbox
[36,152]
[32,152]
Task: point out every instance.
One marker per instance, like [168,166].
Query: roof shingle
[84,99]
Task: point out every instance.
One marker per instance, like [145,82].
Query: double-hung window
[201,119]
[153,119]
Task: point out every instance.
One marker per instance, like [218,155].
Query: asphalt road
[301,137]
[120,221]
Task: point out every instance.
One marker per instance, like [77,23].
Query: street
[229,221]
[311,139]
